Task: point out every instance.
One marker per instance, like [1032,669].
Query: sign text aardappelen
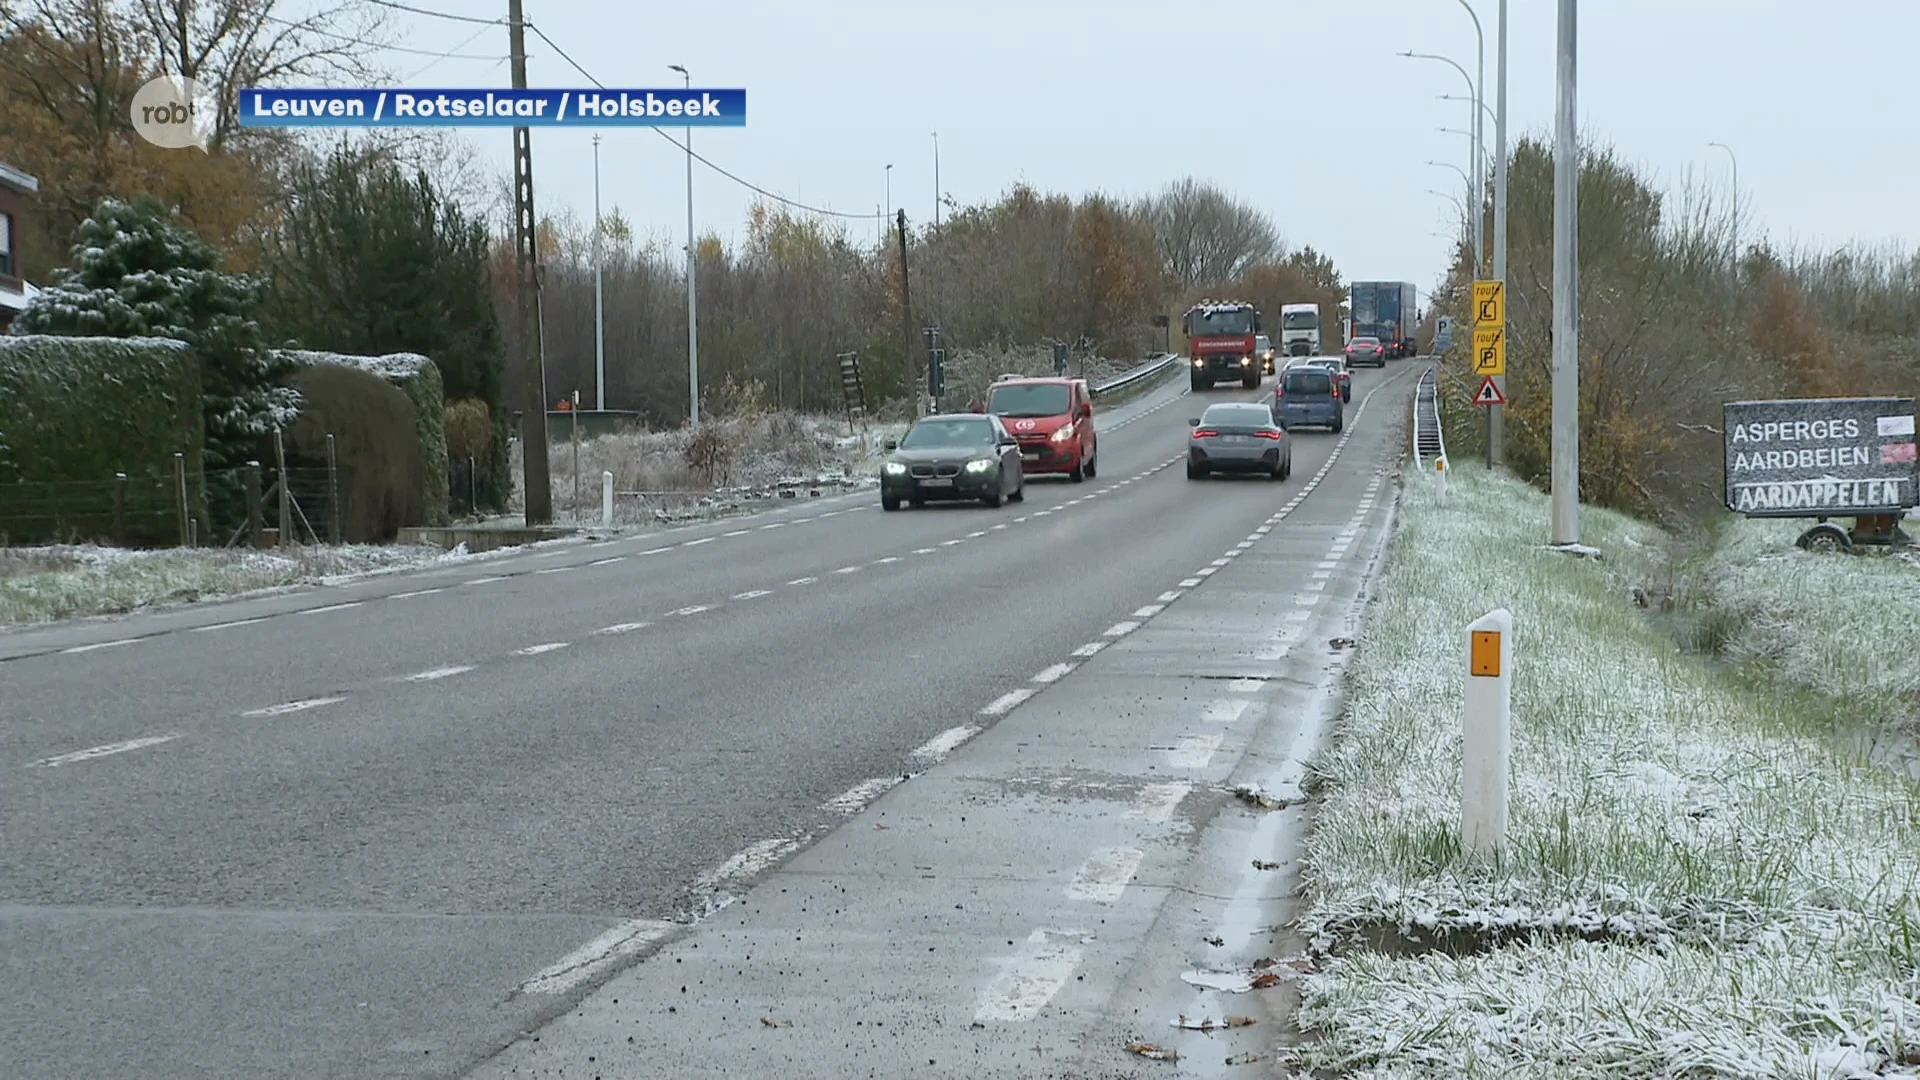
[1817,457]
[278,108]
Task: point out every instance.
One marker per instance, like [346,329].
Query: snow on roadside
[1697,883]
[43,584]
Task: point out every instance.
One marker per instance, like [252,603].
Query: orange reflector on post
[1484,656]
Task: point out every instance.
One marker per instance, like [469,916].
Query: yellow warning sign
[1489,303]
[1489,350]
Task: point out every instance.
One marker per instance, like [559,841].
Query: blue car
[1308,396]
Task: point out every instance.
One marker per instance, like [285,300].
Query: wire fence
[253,505]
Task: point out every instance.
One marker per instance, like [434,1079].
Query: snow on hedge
[393,366]
[1718,889]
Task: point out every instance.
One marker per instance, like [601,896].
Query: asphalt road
[385,829]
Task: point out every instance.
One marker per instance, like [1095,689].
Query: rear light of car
[1204,433]
[1274,435]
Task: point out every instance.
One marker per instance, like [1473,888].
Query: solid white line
[1157,802]
[101,751]
[293,706]
[416,592]
[622,628]
[603,543]
[756,857]
[753,594]
[1121,629]
[1169,596]
[855,799]
[536,650]
[696,543]
[440,673]
[1054,673]
[1149,611]
[1028,981]
[1193,752]
[944,743]
[1008,701]
[1105,875]
[98,645]
[483,581]
[1090,648]
[691,609]
[596,956]
[229,625]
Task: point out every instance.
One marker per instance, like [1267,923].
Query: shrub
[382,472]
[420,379]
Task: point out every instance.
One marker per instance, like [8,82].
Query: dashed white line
[99,645]
[609,562]
[803,581]
[1169,596]
[1246,686]
[738,532]
[691,609]
[773,525]
[923,551]
[1028,981]
[976,535]
[1189,583]
[1054,673]
[753,594]
[697,543]
[482,580]
[284,708]
[1089,648]
[855,799]
[1193,751]
[596,956]
[1206,571]
[1224,711]
[1105,875]
[848,570]
[622,628]
[655,551]
[938,747]
[231,625]
[545,647]
[1157,802]
[562,569]
[1221,562]
[1121,629]
[101,751]
[1149,611]
[433,674]
[1008,701]
[950,543]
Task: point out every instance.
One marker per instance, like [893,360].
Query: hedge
[420,378]
[74,411]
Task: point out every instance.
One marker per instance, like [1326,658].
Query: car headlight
[894,468]
[1245,360]
[1063,434]
[1199,362]
[981,464]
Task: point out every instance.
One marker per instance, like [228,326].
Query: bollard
[1486,737]
[606,498]
[1440,476]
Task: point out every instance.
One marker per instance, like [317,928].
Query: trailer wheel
[1825,538]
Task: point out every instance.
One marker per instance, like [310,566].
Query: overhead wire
[436,14]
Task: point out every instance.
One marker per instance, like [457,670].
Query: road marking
[609,562]
[1121,629]
[855,799]
[1054,673]
[1321,575]
[1089,648]
[1020,519]
[1008,701]
[1002,525]
[1157,802]
[1189,583]
[923,551]
[1315,586]
[738,532]
[1225,711]
[536,650]
[848,570]
[753,594]
[697,543]
[1105,875]
[1028,981]
[293,706]
[1193,751]
[1299,616]
[691,609]
[623,628]
[976,535]
[231,625]
[596,956]
[773,525]
[945,743]
[950,543]
[1329,564]
[1169,596]
[1217,563]
[101,751]
[832,513]
[756,857]
[483,581]
[563,569]
[414,593]
[1205,571]
[803,581]
[440,673]
[1246,686]
[1149,611]
[99,645]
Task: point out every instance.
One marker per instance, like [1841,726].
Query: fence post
[193,532]
[575,429]
[286,496]
[606,498]
[120,509]
[333,494]
[180,493]
[473,486]
[256,525]
[1486,736]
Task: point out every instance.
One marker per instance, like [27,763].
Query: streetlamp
[1736,202]
[883,235]
[693,274]
[599,299]
[1480,166]
[1565,468]
[1485,109]
[1473,149]
[936,181]
[1468,134]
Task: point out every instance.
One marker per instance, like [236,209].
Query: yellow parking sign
[1490,350]
[1489,303]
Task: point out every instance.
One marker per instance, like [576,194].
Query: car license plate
[1234,440]
[1030,455]
[938,481]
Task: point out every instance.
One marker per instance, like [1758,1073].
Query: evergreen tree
[136,273]
[371,260]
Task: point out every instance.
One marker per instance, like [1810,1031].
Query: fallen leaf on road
[1265,979]
[1185,1024]
[769,1021]
[1251,793]
[1248,1058]
[1239,1021]
[1216,941]
[1343,643]
[1263,963]
[1156,1053]
[1259,865]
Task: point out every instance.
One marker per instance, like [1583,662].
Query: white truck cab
[1300,329]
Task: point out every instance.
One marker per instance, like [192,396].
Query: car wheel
[1019,491]
[1250,382]
[994,500]
[1079,473]
[1339,423]
[1092,463]
[1278,474]
[1195,472]
[1286,469]
[889,502]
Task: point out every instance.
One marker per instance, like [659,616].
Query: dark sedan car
[1238,437]
[1337,365]
[953,457]
[1366,350]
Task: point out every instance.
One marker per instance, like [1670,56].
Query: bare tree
[1207,236]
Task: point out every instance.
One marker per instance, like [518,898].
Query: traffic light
[1059,358]
[937,372]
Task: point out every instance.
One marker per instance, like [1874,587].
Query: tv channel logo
[176,112]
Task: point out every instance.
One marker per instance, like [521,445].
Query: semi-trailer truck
[1386,310]
[1300,329]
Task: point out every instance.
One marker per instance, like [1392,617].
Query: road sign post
[1490,357]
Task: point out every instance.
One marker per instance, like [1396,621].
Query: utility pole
[906,321]
[939,275]
[1496,418]
[1566,290]
[1736,205]
[599,299]
[693,276]
[535,479]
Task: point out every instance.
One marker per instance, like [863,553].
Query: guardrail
[1428,443]
[1145,371]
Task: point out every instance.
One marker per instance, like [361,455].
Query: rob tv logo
[175,112]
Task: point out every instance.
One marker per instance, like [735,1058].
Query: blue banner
[343,108]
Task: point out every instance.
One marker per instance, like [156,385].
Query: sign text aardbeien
[1821,456]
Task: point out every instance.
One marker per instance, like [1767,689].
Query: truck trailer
[1387,310]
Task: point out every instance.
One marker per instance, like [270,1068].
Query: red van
[1053,420]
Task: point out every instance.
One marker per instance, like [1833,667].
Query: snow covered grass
[1699,880]
[43,584]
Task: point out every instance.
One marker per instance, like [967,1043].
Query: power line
[351,40]
[436,14]
[456,54]
[743,182]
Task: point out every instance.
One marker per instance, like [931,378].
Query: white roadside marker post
[606,498]
[1486,737]
[1440,476]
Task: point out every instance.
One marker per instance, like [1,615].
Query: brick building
[15,188]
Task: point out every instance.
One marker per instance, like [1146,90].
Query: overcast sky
[1818,102]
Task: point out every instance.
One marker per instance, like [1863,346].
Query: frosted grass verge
[1723,892]
[45,584]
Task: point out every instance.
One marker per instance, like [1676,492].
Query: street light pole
[1473,151]
[599,298]
[1479,132]
[1496,415]
[1736,202]
[693,276]
[1566,291]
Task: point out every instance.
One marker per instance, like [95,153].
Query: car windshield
[1029,399]
[1299,320]
[1313,381]
[1236,416]
[1330,365]
[1223,321]
[1262,342]
[962,434]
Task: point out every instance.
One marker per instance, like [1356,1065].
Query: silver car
[1238,437]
